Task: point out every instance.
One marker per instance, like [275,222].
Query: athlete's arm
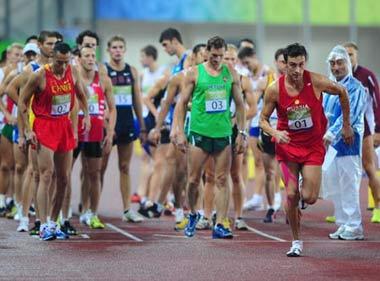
[110,100]
[3,91]
[137,104]
[240,112]
[33,86]
[153,92]
[179,115]
[270,101]
[323,84]
[81,94]
[250,97]
[74,119]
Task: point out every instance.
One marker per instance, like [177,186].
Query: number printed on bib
[123,95]
[299,118]
[60,105]
[216,100]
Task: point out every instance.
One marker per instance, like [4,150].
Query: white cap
[31,47]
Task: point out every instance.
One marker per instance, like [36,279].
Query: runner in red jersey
[297,97]
[53,88]
[91,143]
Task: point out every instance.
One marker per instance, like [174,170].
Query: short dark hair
[216,42]
[58,35]
[75,51]
[62,47]
[351,45]
[45,34]
[278,53]
[150,51]
[169,34]
[246,40]
[89,33]
[246,52]
[32,37]
[295,50]
[197,48]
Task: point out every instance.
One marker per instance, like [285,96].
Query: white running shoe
[85,217]
[240,224]
[296,249]
[179,215]
[132,216]
[351,234]
[23,225]
[335,235]
[203,224]
[255,203]
[277,201]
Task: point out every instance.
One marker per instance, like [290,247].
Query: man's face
[88,58]
[117,50]
[47,46]
[215,56]
[145,60]
[280,64]
[230,57]
[15,55]
[169,47]
[353,56]
[200,57]
[60,62]
[339,68]
[295,67]
[250,62]
[89,41]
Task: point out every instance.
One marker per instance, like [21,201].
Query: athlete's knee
[124,167]
[309,197]
[210,177]
[19,169]
[46,174]
[62,180]
[221,180]
[236,177]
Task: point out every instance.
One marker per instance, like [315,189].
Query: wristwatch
[243,133]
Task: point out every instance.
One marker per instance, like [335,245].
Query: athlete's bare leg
[20,166]
[6,165]
[209,188]
[369,167]
[125,155]
[169,174]
[92,172]
[237,184]
[222,196]
[245,168]
[259,167]
[180,179]
[36,179]
[105,158]
[158,170]
[145,174]
[270,173]
[27,190]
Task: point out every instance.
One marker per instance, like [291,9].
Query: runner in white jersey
[151,74]
[261,76]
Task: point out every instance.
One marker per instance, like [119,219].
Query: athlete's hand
[22,145]
[282,137]
[86,124]
[326,142]
[348,135]
[31,138]
[376,139]
[154,136]
[107,143]
[181,142]
[240,144]
[143,136]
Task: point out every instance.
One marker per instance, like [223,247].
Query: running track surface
[154,251]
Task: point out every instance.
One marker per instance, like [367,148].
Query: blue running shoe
[60,234]
[219,232]
[46,233]
[191,225]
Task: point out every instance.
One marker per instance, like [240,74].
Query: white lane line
[110,225]
[170,236]
[258,232]
[84,236]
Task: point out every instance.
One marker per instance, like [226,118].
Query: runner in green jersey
[211,86]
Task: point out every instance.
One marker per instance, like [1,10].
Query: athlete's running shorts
[305,155]
[265,143]
[8,132]
[90,149]
[254,132]
[207,144]
[56,134]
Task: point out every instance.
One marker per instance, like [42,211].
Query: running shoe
[168,209]
[60,235]
[330,219]
[375,215]
[67,228]
[296,249]
[269,216]
[226,223]
[351,234]
[95,223]
[191,226]
[277,201]
[32,211]
[240,224]
[149,212]
[203,224]
[135,198]
[255,203]
[47,233]
[35,231]
[179,215]
[132,216]
[335,235]
[11,213]
[23,224]
[181,225]
[220,232]
[85,217]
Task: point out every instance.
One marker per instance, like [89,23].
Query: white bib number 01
[300,124]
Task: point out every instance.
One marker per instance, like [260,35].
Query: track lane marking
[258,232]
[123,232]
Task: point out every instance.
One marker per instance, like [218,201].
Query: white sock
[201,212]
[2,201]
